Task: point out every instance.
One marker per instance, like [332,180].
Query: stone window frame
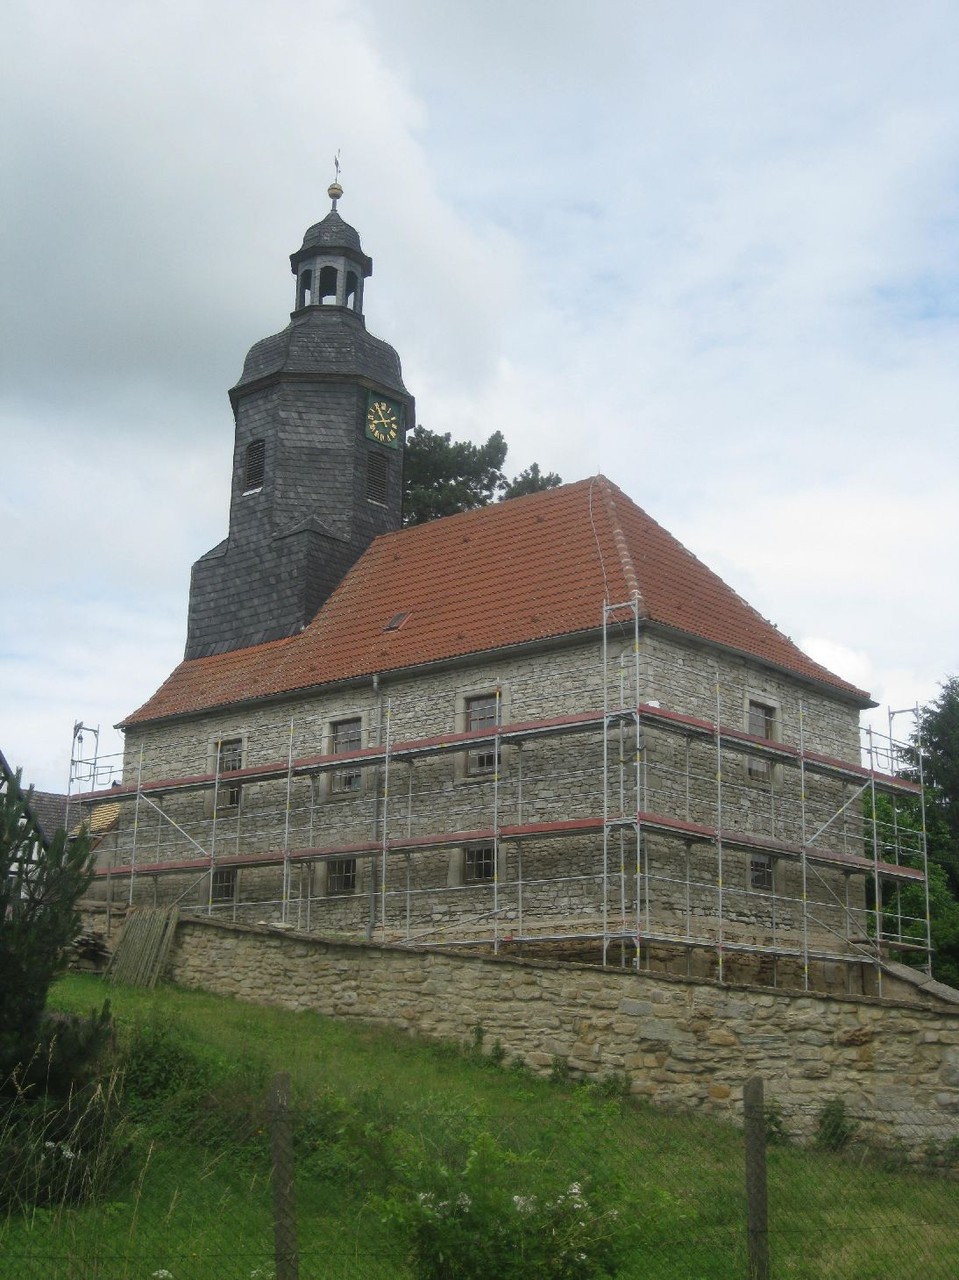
[759,771]
[457,877]
[225,807]
[330,780]
[464,771]
[321,887]
[761,873]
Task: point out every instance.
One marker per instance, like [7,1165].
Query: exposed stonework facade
[691,899]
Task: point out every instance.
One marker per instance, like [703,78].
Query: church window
[347,736]
[327,289]
[229,758]
[305,293]
[482,712]
[223,886]
[479,864]
[254,466]
[760,723]
[376,478]
[341,875]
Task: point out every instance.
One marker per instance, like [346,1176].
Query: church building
[540,727]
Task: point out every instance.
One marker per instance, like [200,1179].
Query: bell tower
[321,417]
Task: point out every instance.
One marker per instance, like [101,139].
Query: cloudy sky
[708,248]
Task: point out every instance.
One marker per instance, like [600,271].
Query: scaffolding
[655,887]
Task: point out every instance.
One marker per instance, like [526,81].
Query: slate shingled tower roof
[519,572]
[311,486]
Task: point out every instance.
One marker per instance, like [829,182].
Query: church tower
[321,416]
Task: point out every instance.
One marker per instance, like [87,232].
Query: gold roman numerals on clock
[384,421]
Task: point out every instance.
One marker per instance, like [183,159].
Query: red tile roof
[518,571]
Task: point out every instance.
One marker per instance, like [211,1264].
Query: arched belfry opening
[304,295]
[326,293]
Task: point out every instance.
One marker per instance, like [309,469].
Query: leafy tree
[39,891]
[937,735]
[442,476]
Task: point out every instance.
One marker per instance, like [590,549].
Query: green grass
[370,1102]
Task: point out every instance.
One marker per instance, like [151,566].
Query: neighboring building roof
[49,808]
[45,809]
[529,569]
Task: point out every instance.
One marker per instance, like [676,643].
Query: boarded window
[254,469]
[376,475]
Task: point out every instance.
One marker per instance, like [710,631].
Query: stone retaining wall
[690,1044]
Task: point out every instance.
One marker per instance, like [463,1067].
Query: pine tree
[443,476]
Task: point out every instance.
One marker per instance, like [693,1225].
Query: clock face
[384,421]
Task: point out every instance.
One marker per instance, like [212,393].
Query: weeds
[834,1127]
[56,1154]
[774,1123]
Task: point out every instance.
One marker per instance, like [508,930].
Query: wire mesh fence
[274,1183]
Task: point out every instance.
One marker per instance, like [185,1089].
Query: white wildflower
[525,1204]
[463,1201]
[163,1274]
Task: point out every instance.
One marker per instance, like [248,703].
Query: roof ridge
[619,541]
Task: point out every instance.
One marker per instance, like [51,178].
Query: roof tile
[528,569]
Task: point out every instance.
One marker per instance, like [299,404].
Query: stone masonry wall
[681,1043]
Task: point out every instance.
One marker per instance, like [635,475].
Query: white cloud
[710,250]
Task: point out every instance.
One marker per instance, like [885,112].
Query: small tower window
[351,283]
[327,290]
[254,468]
[305,293]
[376,478]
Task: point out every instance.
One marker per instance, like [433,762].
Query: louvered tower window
[376,478]
[254,468]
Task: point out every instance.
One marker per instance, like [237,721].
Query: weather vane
[334,191]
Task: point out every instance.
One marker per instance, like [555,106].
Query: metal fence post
[757,1221]
[284,1200]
